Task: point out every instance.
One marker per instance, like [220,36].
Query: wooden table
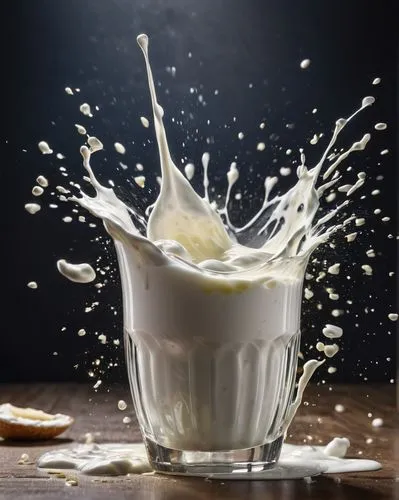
[98,413]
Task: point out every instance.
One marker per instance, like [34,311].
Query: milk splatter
[32,208]
[79,273]
[144,121]
[85,109]
[119,148]
[45,148]
[305,63]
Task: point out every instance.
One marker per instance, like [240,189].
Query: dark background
[234,43]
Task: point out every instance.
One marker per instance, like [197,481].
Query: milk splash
[186,228]
[188,240]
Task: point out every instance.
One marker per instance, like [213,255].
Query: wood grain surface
[316,423]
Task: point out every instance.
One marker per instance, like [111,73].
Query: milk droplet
[81,332]
[260,146]
[331,350]
[37,191]
[68,90]
[314,139]
[360,222]
[240,135]
[102,338]
[189,171]
[376,81]
[284,171]
[122,405]
[144,121]
[42,181]
[332,331]
[308,293]
[380,126]
[32,284]
[393,316]
[320,346]
[67,219]
[81,130]
[85,109]
[350,237]
[305,63]
[334,269]
[95,144]
[384,152]
[119,148]
[331,369]
[338,447]
[140,180]
[45,148]
[368,270]
[97,384]
[126,420]
[377,422]
[32,208]
[339,408]
[78,273]
[331,197]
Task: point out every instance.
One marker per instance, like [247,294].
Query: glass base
[171,461]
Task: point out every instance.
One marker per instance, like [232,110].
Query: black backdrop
[91,45]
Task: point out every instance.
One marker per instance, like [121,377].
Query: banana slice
[30,424]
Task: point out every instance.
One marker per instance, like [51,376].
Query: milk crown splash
[186,228]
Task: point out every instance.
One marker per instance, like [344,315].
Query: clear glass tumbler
[212,366]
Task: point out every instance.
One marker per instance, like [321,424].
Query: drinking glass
[212,366]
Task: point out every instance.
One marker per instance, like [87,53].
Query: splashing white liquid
[78,273]
[45,148]
[32,208]
[192,259]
